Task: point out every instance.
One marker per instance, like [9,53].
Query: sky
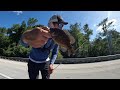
[92,18]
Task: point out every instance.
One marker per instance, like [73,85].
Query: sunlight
[109,14]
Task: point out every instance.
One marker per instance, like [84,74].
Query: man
[42,44]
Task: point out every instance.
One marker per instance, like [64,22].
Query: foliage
[104,42]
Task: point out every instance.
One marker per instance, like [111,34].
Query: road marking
[6,76]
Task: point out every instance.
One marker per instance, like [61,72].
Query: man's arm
[53,58]
[54,54]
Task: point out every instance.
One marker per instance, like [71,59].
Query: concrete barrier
[72,60]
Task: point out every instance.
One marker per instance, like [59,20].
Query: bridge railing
[72,60]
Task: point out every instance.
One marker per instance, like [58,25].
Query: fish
[64,39]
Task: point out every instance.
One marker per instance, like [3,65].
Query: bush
[59,55]
[17,51]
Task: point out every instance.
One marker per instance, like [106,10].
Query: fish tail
[71,52]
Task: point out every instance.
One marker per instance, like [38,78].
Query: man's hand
[36,37]
[51,68]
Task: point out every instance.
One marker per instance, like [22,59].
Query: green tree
[99,47]
[87,33]
[31,22]
[14,33]
[3,30]
[116,41]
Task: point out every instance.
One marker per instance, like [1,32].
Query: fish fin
[63,49]
[71,52]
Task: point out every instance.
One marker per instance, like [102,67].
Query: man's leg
[33,70]
[45,70]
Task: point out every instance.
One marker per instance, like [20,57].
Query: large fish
[63,38]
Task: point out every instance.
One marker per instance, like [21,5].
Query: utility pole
[107,33]
[109,38]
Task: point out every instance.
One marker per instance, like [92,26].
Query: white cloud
[18,12]
[112,20]
[99,29]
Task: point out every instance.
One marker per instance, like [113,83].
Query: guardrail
[72,60]
[15,58]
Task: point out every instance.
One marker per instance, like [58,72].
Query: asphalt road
[99,70]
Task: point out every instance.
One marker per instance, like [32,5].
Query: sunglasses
[60,24]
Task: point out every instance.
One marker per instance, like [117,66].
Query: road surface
[99,70]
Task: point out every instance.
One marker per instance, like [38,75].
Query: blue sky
[92,18]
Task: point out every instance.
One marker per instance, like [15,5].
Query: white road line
[6,76]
